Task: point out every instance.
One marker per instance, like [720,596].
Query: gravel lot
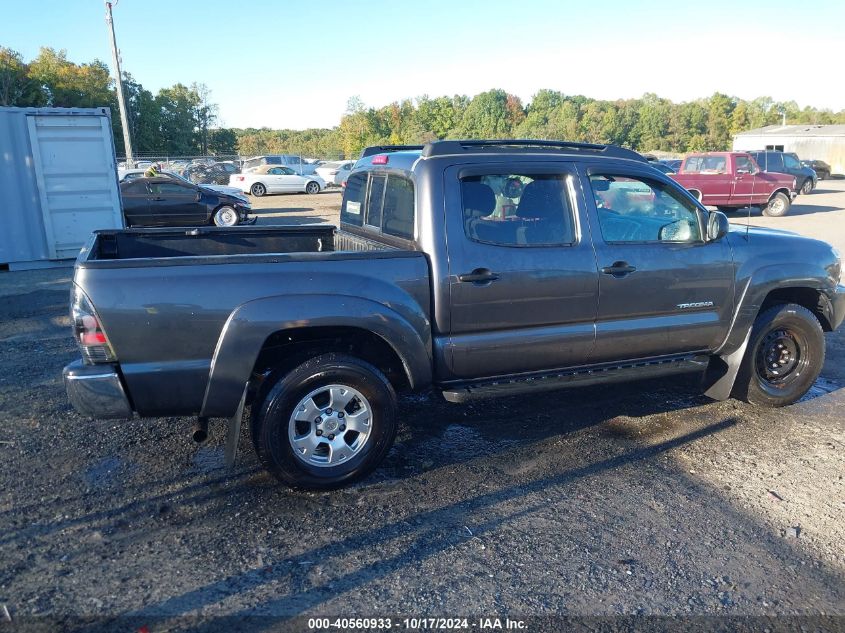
[637,499]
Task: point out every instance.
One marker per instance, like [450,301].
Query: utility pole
[121,104]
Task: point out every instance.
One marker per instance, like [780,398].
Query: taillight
[88,331]
[380,159]
[239,178]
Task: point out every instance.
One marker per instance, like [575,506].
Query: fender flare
[724,365]
[251,323]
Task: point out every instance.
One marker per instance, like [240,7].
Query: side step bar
[576,377]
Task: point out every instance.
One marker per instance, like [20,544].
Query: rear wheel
[225,216]
[312,188]
[784,357]
[807,187]
[258,190]
[778,205]
[326,423]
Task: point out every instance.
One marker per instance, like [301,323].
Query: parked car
[126,175]
[212,174]
[164,201]
[423,286]
[821,168]
[787,163]
[275,179]
[733,180]
[334,173]
[286,160]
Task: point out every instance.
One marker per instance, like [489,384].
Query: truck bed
[168,243]
[165,296]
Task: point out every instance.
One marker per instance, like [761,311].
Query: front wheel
[326,423]
[784,357]
[225,216]
[778,205]
[312,188]
[807,187]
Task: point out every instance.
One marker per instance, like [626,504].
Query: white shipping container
[58,183]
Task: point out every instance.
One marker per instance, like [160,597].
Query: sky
[295,63]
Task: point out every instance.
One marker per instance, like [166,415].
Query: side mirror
[717,225]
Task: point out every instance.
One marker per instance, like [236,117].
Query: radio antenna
[753,175]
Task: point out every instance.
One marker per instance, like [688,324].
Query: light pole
[121,104]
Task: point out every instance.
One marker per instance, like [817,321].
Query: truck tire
[784,357]
[325,423]
[807,187]
[778,205]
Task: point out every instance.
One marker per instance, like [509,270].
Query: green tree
[487,116]
[17,88]
[71,85]
[178,107]
[222,142]
[720,108]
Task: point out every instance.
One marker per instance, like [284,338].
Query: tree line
[182,120]
[177,121]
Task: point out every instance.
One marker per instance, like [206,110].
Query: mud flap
[233,433]
[721,372]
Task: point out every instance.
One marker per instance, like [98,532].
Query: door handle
[479,276]
[618,269]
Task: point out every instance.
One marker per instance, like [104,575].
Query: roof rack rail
[381,149]
[446,148]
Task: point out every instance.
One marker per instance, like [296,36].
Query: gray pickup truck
[479,268]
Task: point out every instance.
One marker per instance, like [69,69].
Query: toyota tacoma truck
[477,268]
[733,180]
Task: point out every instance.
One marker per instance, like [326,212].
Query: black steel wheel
[784,357]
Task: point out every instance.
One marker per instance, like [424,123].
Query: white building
[810,142]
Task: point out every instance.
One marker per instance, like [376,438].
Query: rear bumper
[95,391]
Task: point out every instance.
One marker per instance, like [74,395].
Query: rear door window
[517,209]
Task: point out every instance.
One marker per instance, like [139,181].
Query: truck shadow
[810,209]
[428,533]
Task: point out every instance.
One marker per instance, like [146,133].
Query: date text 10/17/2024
[416,624]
